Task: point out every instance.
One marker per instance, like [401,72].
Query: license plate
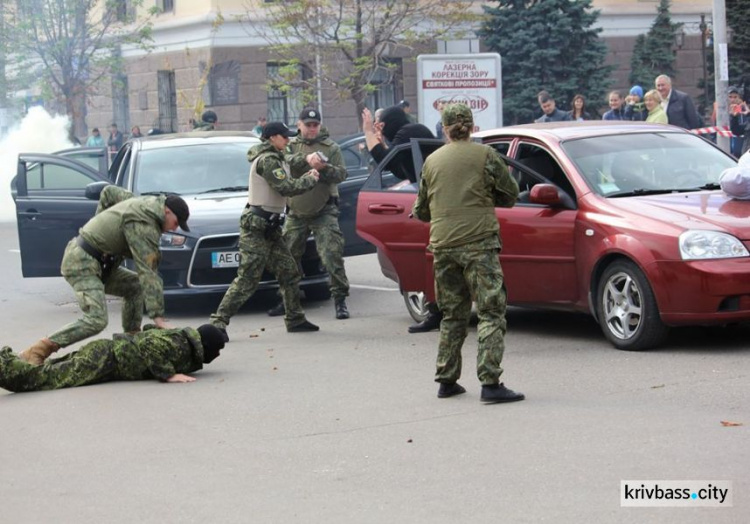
[221,259]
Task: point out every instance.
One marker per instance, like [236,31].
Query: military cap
[309,115]
[180,209]
[209,116]
[277,128]
[457,113]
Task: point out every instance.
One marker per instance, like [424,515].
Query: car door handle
[385,209]
[31,214]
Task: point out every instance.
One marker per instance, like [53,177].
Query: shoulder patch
[279,173]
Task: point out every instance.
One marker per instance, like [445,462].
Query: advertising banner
[471,79]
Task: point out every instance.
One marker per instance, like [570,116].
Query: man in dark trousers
[161,354]
[679,106]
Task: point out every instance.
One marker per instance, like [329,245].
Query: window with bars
[166,6]
[285,95]
[388,80]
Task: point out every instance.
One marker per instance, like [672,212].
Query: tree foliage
[546,44]
[344,45]
[70,45]
[654,54]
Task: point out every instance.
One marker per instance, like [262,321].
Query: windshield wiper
[228,189]
[641,192]
[710,185]
[157,193]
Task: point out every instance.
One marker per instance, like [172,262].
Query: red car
[624,221]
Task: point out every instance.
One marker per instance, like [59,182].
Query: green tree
[345,46]
[546,44]
[738,51]
[70,45]
[654,54]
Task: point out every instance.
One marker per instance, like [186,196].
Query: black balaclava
[393,119]
[212,341]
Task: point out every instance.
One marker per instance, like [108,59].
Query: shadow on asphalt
[578,326]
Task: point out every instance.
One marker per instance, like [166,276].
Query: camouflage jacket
[271,166]
[158,353]
[204,126]
[334,173]
[131,227]
[461,184]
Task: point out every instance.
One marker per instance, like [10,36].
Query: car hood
[216,213]
[711,210]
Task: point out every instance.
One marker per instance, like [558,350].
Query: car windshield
[647,163]
[191,169]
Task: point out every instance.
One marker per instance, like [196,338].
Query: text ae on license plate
[220,259]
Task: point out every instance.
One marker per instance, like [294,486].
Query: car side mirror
[545,194]
[94,190]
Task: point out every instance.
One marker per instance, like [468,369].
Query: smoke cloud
[38,132]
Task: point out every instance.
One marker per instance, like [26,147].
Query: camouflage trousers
[94,363]
[84,274]
[460,277]
[258,252]
[329,241]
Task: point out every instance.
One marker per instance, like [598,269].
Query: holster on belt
[106,261]
[274,221]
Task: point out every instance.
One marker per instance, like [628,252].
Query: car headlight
[705,245]
[172,240]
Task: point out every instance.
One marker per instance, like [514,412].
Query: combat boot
[277,310]
[302,326]
[38,353]
[341,310]
[451,389]
[494,393]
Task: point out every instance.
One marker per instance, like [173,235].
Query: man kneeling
[161,354]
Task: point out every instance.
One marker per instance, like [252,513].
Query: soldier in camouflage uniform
[209,122]
[461,184]
[317,210]
[161,354]
[261,244]
[123,227]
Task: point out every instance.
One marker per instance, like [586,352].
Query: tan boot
[38,353]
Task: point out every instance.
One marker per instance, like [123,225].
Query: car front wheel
[627,309]
[415,305]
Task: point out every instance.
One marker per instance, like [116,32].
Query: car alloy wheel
[627,309]
[415,305]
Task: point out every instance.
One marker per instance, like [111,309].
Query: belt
[262,213]
[100,257]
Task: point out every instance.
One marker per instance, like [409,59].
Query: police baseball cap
[309,115]
[457,113]
[180,209]
[209,116]
[277,128]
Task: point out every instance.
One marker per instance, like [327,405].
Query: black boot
[277,310]
[450,390]
[495,393]
[304,326]
[434,316]
[341,310]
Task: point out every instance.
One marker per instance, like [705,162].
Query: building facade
[204,57]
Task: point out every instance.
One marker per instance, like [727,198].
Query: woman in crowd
[656,114]
[578,111]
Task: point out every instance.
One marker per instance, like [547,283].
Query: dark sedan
[209,170]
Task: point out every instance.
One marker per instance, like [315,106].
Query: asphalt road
[343,426]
